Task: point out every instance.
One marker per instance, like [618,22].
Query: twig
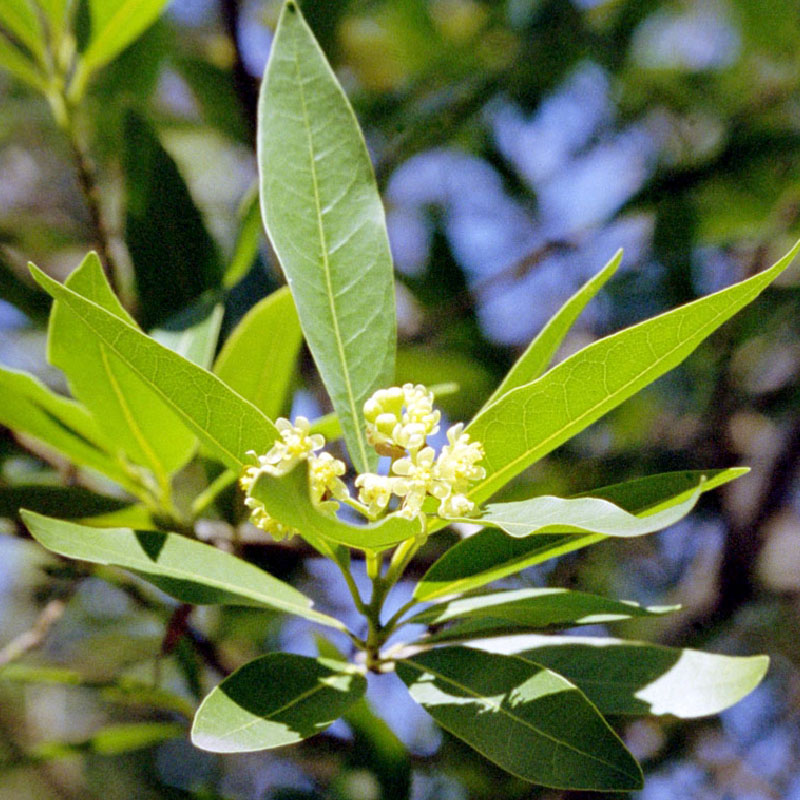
[33,638]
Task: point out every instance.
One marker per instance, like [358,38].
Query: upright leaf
[174,258]
[324,217]
[491,554]
[259,357]
[191,571]
[20,66]
[246,248]
[20,19]
[29,407]
[114,25]
[538,608]
[275,700]
[528,720]
[532,420]
[225,422]
[624,677]
[193,333]
[131,414]
[534,361]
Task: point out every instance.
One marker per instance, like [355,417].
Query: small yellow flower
[295,445]
[400,418]
[324,479]
[456,462]
[455,505]
[258,514]
[375,491]
[416,481]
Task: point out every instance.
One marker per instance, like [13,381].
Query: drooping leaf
[538,608]
[19,65]
[286,499]
[193,334]
[191,571]
[528,720]
[534,361]
[275,700]
[114,25]
[532,420]
[225,422]
[547,514]
[259,357]
[29,407]
[325,219]
[491,554]
[130,413]
[174,258]
[626,677]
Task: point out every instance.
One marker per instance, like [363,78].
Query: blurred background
[517,145]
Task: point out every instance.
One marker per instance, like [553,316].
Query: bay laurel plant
[535,704]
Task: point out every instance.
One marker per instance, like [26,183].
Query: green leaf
[114,25]
[528,720]
[190,571]
[259,357]
[70,502]
[225,422]
[247,242]
[113,740]
[56,12]
[19,65]
[29,407]
[325,220]
[275,700]
[624,677]
[538,608]
[534,361]
[194,333]
[163,227]
[532,420]
[286,499]
[19,18]
[130,413]
[548,514]
[491,554]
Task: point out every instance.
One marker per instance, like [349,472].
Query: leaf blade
[324,217]
[191,571]
[532,420]
[275,700]
[528,720]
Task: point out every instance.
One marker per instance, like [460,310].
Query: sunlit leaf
[19,65]
[225,422]
[491,554]
[194,333]
[19,18]
[259,357]
[191,571]
[528,720]
[275,700]
[532,420]
[325,220]
[625,677]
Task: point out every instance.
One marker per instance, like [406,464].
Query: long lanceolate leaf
[624,677]
[225,422]
[275,700]
[491,554]
[525,718]
[532,420]
[534,361]
[323,214]
[190,571]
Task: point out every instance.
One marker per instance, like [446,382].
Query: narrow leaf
[19,65]
[532,420]
[259,357]
[534,361]
[114,25]
[246,248]
[275,700]
[325,219]
[130,413]
[224,421]
[190,571]
[29,407]
[194,333]
[19,18]
[548,514]
[491,554]
[163,226]
[286,499]
[528,720]
[538,608]
[624,677]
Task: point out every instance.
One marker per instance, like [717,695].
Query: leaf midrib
[326,262]
[524,723]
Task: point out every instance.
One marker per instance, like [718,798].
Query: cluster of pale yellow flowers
[399,421]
